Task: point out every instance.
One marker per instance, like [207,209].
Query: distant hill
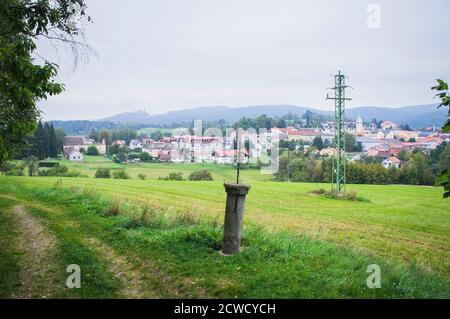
[416,116]
[209,113]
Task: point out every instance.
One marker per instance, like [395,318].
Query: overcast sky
[163,55]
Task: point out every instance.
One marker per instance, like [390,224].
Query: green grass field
[296,245]
[155,170]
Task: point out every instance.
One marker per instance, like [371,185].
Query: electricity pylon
[338,171]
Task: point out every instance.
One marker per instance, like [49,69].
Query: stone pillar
[234,216]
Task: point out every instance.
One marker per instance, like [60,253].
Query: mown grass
[409,224]
[9,254]
[155,170]
[73,248]
[272,264]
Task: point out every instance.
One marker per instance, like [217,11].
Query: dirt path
[139,278]
[37,276]
[132,279]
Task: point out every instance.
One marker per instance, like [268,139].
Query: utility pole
[338,171]
[288,166]
[238,155]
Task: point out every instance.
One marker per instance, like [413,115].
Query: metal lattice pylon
[338,170]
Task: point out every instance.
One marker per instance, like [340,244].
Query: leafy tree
[156,135]
[308,116]
[32,164]
[350,142]
[107,136]
[95,135]
[358,147]
[245,123]
[443,94]
[92,150]
[290,145]
[118,153]
[436,153]
[23,82]
[405,127]
[318,143]
[125,134]
[263,121]
[403,155]
[145,157]
[444,159]
[281,123]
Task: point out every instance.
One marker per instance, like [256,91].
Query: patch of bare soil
[38,276]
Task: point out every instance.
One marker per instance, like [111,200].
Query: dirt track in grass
[37,275]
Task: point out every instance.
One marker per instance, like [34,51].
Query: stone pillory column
[234,215]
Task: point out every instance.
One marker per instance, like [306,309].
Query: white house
[73,154]
[391,161]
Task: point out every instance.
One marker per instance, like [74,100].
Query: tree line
[417,168]
[45,142]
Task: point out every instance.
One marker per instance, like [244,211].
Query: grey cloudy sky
[163,55]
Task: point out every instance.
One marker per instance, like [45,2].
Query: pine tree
[46,140]
[39,146]
[53,142]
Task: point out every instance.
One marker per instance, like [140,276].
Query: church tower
[359,125]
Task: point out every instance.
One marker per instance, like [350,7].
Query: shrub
[185,218]
[174,176]
[75,174]
[141,176]
[120,174]
[92,150]
[14,172]
[114,208]
[7,166]
[12,169]
[43,172]
[203,175]
[32,164]
[350,195]
[59,170]
[145,157]
[147,215]
[102,173]
[318,191]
